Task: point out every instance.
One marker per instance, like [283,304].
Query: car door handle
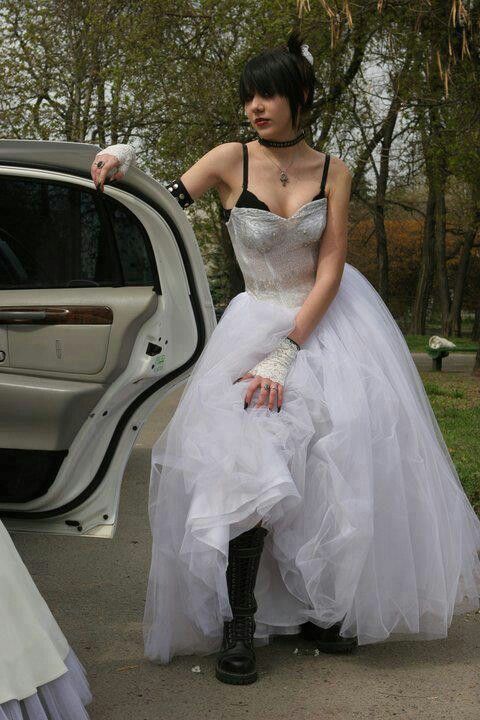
[56,315]
[8,315]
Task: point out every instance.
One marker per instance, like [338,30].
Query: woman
[303,460]
[41,678]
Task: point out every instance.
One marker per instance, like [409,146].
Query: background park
[398,99]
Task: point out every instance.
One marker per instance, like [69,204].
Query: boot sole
[329,647]
[234,678]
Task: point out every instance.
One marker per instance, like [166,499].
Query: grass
[455,399]
[418,343]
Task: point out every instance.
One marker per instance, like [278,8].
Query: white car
[104,308]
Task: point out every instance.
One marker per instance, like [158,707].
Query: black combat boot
[236,659]
[328,640]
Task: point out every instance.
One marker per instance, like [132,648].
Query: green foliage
[163,74]
[455,400]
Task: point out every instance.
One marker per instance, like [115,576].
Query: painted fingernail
[245,405]
[279,408]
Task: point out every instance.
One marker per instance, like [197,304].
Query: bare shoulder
[227,159]
[226,152]
[339,167]
[339,178]
[213,169]
[338,172]
[229,149]
[223,160]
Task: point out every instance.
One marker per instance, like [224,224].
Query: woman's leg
[236,660]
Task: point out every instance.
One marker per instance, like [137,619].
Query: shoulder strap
[245,165]
[325,171]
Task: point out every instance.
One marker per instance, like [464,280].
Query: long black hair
[282,70]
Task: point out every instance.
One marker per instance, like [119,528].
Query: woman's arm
[331,258]
[206,173]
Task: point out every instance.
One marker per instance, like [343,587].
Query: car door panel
[64,339]
[80,376]
[70,342]
[44,413]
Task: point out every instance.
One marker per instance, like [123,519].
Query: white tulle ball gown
[368,522]
[41,678]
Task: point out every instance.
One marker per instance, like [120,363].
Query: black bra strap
[325,171]
[245,166]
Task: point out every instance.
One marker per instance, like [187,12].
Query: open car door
[104,308]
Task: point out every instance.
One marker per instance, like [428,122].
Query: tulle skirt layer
[41,678]
[63,698]
[369,524]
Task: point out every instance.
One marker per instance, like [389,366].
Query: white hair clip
[306,53]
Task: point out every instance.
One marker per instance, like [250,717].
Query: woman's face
[276,110]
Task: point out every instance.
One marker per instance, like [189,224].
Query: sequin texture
[278,256]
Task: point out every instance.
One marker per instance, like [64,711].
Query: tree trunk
[476,336]
[425,274]
[455,317]
[440,254]
[476,325]
[476,368]
[379,218]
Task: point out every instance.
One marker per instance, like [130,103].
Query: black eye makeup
[263,94]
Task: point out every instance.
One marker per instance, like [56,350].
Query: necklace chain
[283,171]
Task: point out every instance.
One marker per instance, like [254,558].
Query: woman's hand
[115,161]
[108,172]
[274,393]
[272,372]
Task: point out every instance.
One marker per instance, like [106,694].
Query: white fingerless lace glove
[277,363]
[123,152]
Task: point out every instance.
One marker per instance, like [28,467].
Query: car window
[57,235]
[132,242]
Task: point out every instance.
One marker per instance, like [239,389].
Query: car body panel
[82,367]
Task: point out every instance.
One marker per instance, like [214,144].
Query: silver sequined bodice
[278,256]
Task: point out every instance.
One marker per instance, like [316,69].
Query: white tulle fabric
[41,678]
[369,524]
[63,698]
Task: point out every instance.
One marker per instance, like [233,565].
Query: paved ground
[455,362]
[96,589]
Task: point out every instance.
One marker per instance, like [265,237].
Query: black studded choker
[281,143]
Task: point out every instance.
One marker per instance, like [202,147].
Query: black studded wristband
[180,193]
